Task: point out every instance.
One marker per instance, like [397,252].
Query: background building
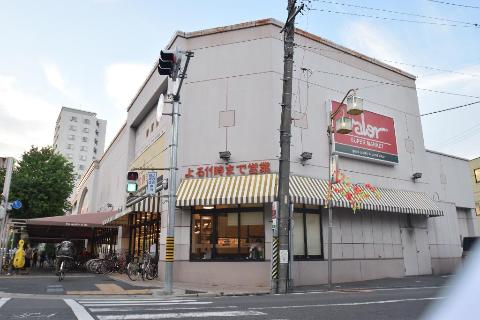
[80,137]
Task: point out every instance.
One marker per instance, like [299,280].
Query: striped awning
[303,190]
[227,190]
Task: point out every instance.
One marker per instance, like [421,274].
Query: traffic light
[169,63]
[132,178]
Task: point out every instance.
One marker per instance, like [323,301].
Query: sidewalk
[186,288]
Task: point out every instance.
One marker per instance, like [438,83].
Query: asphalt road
[358,304]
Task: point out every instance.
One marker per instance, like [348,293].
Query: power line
[432,68]
[448,109]
[455,4]
[396,84]
[393,61]
[400,20]
[398,12]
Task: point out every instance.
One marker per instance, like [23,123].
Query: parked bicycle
[146,268]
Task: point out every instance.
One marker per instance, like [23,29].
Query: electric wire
[391,61]
[399,20]
[398,12]
[396,84]
[449,109]
[455,4]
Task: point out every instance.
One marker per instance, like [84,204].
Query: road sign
[151,182]
[17,204]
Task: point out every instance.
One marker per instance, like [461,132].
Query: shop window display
[228,233]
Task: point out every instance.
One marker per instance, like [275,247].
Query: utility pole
[4,206]
[285,137]
[170,243]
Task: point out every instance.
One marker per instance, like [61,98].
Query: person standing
[28,258]
[34,258]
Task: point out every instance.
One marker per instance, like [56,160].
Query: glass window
[307,233]
[85,130]
[84,139]
[477,175]
[74,119]
[71,137]
[83,148]
[70,146]
[228,234]
[83,158]
[73,128]
[147,133]
[86,121]
[81,167]
[69,156]
[152,127]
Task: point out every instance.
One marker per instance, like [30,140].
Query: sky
[95,54]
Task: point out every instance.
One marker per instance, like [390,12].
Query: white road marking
[378,289]
[78,310]
[142,299]
[182,315]
[141,304]
[132,301]
[3,301]
[118,309]
[347,303]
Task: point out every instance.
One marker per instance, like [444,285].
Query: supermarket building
[230,102]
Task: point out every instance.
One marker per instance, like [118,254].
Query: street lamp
[343,125]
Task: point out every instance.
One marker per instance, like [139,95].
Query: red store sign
[373,137]
[222,170]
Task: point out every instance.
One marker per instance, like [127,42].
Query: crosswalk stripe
[120,300]
[133,303]
[134,300]
[3,301]
[119,309]
[78,310]
[182,315]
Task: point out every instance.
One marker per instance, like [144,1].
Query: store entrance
[144,233]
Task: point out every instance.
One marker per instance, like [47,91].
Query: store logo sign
[372,138]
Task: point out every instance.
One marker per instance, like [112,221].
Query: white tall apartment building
[80,137]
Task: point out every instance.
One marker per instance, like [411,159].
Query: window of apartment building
[307,232]
[94,150]
[73,128]
[96,132]
[85,130]
[83,158]
[84,139]
[83,148]
[152,126]
[147,133]
[476,172]
[71,137]
[86,121]
[81,167]
[228,233]
[69,156]
[70,146]
[74,119]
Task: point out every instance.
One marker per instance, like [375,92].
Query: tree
[43,180]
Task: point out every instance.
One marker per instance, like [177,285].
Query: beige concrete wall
[475,164]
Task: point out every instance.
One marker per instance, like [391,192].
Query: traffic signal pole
[4,206]
[170,241]
[284,165]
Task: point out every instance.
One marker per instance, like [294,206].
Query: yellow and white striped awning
[303,190]
[227,190]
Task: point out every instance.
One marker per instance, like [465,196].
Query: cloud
[26,119]
[368,39]
[122,81]
[54,77]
